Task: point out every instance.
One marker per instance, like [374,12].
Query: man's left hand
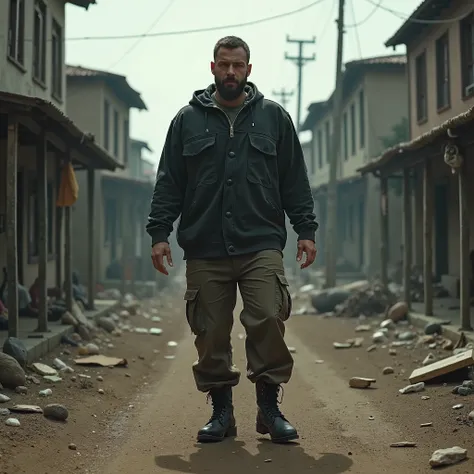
[307,247]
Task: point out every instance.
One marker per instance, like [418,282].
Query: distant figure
[231,166]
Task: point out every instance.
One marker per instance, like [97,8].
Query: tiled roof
[116,82]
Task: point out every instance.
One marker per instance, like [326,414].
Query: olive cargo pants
[211,297]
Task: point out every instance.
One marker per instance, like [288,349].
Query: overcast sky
[167,69]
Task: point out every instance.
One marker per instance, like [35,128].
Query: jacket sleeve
[170,186]
[295,189]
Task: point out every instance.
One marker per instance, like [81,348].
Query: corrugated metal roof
[116,82]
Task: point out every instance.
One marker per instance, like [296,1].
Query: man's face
[230,71]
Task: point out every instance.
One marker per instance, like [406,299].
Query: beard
[230,91]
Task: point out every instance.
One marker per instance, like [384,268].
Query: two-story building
[374,110]
[101,101]
[436,162]
[39,146]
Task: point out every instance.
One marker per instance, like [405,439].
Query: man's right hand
[158,252]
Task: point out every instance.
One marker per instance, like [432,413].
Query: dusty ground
[342,429]
[40,446]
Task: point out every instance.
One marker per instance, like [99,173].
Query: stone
[106,323]
[458,406]
[342,345]
[172,343]
[433,328]
[379,337]
[68,319]
[11,373]
[15,348]
[363,328]
[471,416]
[392,352]
[4,411]
[398,311]
[101,391]
[426,425]
[100,378]
[21,389]
[371,348]
[72,446]
[361,382]
[448,456]
[52,378]
[12,422]
[292,350]
[84,333]
[429,359]
[407,336]
[403,444]
[155,331]
[4,398]
[388,371]
[26,409]
[45,393]
[43,369]
[414,388]
[387,324]
[56,411]
[92,349]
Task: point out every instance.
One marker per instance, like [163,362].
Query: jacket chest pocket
[200,155]
[262,161]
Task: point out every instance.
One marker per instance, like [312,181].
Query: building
[375,110]
[37,142]
[435,164]
[140,166]
[101,102]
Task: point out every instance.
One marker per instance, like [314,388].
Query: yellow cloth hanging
[68,189]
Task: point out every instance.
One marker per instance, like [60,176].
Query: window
[39,42]
[320,148]
[353,130]
[421,86]
[327,139]
[33,218]
[361,119]
[106,125]
[467,55]
[346,137]
[16,31]
[442,72]
[57,60]
[126,133]
[116,133]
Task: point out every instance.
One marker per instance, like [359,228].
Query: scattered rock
[292,350]
[43,369]
[388,371]
[45,393]
[342,345]
[100,378]
[21,389]
[407,336]
[425,397]
[448,345]
[56,412]
[72,447]
[448,456]
[11,372]
[425,425]
[26,409]
[458,406]
[433,328]
[92,349]
[379,336]
[4,411]
[471,416]
[4,398]
[414,388]
[363,328]
[398,311]
[106,323]
[156,331]
[52,378]
[360,382]
[429,359]
[84,333]
[68,319]
[392,352]
[172,343]
[371,348]
[16,349]
[101,391]
[387,324]
[403,444]
[12,422]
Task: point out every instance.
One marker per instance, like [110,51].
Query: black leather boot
[270,420]
[222,422]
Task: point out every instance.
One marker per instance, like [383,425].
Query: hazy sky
[167,69]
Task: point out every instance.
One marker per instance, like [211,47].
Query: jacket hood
[203,97]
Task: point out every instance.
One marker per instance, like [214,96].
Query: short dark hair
[232,42]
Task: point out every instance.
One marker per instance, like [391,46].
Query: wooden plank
[90,237]
[407,235]
[384,231]
[428,236]
[42,183]
[68,251]
[443,367]
[12,226]
[58,228]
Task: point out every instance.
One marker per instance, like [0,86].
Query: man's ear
[213,66]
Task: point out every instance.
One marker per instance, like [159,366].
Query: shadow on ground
[231,457]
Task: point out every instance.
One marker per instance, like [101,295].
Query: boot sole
[263,430]
[231,432]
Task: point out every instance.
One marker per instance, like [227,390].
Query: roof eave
[82,3]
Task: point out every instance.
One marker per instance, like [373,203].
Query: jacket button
[231,154]
[228,214]
[231,249]
[229,182]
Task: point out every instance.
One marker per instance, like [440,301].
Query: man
[231,166]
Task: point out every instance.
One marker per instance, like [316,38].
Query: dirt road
[342,429]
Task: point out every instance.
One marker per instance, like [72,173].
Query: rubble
[415,388]
[448,456]
[11,373]
[361,382]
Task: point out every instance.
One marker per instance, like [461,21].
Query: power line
[134,45]
[198,30]
[420,21]
[367,18]
[284,96]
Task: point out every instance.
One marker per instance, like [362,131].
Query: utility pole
[284,96]
[300,61]
[334,163]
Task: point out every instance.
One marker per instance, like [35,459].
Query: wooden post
[407,235]
[465,261]
[428,236]
[11,226]
[125,226]
[68,249]
[90,237]
[42,189]
[384,230]
[58,234]
[133,246]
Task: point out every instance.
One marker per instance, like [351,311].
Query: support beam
[125,228]
[90,237]
[42,193]
[58,233]
[407,235]
[12,226]
[465,261]
[384,231]
[145,246]
[68,249]
[428,236]
[133,211]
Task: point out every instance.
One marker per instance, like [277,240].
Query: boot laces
[219,407]
[270,396]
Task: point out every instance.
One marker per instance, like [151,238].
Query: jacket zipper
[231,124]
